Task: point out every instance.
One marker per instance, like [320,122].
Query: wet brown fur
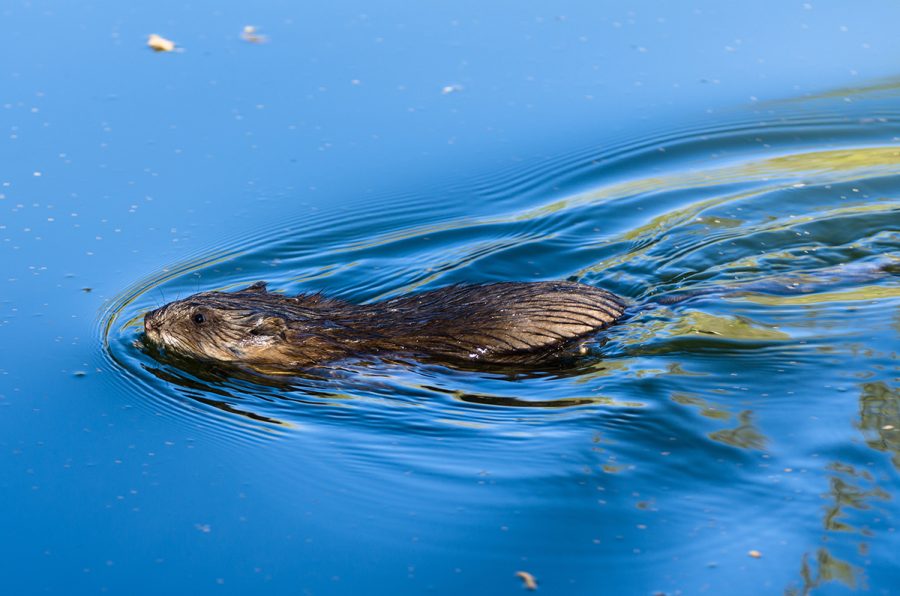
[490,323]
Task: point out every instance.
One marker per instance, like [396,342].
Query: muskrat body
[489,323]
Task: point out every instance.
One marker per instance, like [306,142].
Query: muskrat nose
[150,323]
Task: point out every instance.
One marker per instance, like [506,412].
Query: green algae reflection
[879,419]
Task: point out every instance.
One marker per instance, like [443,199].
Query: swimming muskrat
[495,323]
[490,323]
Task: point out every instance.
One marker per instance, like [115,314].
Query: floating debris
[448,89]
[755,554]
[157,43]
[528,581]
[251,34]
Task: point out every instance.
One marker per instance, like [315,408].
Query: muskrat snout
[151,324]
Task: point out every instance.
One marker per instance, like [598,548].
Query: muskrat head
[226,327]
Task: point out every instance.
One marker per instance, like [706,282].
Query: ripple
[739,242]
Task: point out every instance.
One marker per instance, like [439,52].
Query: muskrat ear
[259,286]
[270,326]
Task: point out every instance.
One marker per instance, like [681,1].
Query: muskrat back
[489,323]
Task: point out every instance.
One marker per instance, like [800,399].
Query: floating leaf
[251,34]
[157,43]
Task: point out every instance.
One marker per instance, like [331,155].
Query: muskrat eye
[198,318]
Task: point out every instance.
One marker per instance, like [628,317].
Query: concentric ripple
[733,214]
[759,253]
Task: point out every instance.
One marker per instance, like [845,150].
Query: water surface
[743,440]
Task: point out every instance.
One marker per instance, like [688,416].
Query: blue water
[749,153]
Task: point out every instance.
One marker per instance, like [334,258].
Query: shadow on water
[760,257]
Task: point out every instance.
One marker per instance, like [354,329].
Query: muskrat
[495,323]
[490,323]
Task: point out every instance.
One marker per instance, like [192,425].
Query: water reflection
[852,489]
[706,408]
[879,418]
[825,568]
[745,435]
